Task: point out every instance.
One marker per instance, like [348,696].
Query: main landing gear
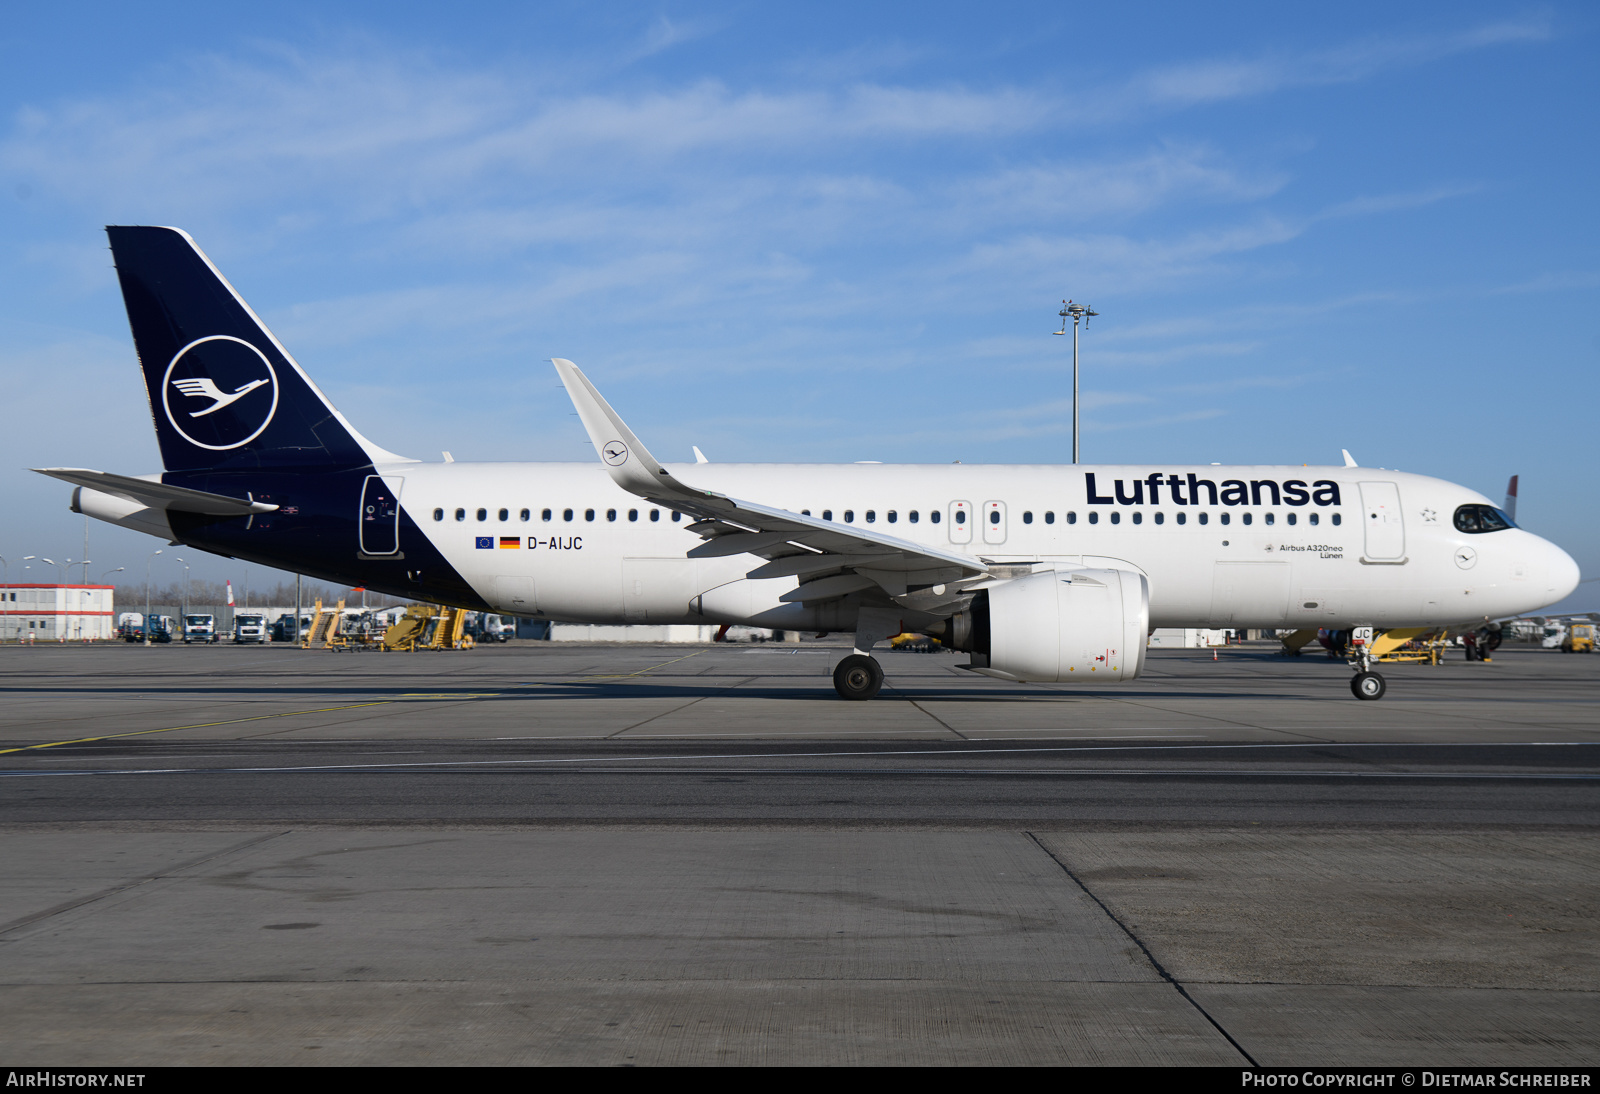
[857,677]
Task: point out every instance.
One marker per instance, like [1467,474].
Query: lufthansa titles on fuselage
[1187,489]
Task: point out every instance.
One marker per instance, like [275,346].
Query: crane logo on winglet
[614,453]
[237,379]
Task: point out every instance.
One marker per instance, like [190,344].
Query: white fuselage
[1252,549]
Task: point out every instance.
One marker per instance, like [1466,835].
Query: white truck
[498,628]
[250,628]
[199,628]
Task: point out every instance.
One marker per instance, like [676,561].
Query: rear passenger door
[379,519]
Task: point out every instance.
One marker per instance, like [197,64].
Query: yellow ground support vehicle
[1579,638]
[324,633]
[1422,645]
[429,627]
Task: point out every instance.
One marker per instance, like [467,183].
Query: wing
[830,559]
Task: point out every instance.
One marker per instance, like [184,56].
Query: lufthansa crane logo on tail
[207,387]
[615,453]
[220,392]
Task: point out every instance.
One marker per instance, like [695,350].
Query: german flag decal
[510,542]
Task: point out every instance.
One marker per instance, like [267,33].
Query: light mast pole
[1077,313]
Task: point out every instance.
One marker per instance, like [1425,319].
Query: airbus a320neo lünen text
[1041,573]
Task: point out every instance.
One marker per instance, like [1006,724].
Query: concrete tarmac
[554,854]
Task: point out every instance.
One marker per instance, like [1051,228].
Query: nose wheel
[857,677]
[1368,685]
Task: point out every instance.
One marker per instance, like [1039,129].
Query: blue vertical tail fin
[224,393]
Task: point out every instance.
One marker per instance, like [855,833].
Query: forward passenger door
[1385,527]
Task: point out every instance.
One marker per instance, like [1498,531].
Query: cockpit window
[1473,519]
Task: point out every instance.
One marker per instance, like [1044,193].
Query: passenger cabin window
[544,514]
[483,514]
[1314,519]
[676,516]
[1183,518]
[827,514]
[934,516]
[872,516]
[525,515]
[611,514]
[1116,517]
[655,514]
[849,516]
[1049,516]
[438,514]
[1027,516]
[633,514]
[505,514]
[1094,516]
[912,516]
[461,514]
[1337,519]
[892,516]
[1205,518]
[588,514]
[1477,519]
[1290,517]
[1247,518]
[1161,518]
[566,514]
[1072,518]
[1138,518]
[1225,517]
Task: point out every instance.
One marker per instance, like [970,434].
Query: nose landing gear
[1368,685]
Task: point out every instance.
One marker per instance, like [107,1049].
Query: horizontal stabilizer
[158,495]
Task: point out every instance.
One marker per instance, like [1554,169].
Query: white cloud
[1554,281]
[379,134]
[1212,81]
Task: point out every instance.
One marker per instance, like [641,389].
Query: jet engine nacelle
[1072,625]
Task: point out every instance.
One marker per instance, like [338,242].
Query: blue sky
[831,231]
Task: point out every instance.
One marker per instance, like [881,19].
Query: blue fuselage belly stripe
[315,532]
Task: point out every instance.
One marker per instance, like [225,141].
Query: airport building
[56,613]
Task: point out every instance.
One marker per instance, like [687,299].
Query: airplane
[1043,573]
[207,388]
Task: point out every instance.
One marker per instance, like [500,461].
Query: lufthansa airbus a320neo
[1040,572]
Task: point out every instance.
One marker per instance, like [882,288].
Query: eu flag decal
[511,542]
[485,543]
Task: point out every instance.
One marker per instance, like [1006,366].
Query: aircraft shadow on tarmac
[617,689]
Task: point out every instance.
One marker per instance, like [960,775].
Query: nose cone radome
[1559,573]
